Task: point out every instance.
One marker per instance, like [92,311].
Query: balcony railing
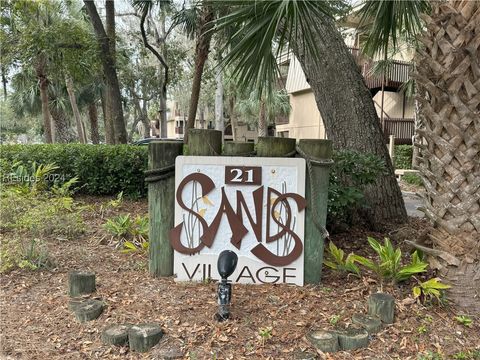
[397,73]
[402,129]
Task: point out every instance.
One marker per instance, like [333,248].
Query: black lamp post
[227,262]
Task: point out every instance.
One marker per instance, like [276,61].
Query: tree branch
[152,49]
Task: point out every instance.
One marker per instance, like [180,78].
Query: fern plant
[389,267]
[336,260]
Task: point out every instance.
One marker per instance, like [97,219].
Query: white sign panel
[252,206]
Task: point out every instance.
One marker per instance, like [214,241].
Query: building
[305,120]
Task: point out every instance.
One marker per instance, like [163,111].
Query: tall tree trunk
[107,120]
[233,116]
[76,114]
[93,116]
[4,83]
[60,123]
[262,119]
[448,78]
[348,113]
[43,84]
[114,109]
[219,124]
[201,54]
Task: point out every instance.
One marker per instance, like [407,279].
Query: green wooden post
[161,192]
[275,147]
[321,152]
[237,148]
[204,142]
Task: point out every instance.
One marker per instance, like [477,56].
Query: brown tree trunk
[201,54]
[349,115]
[262,119]
[107,120]
[93,116]
[43,84]
[114,109]
[76,114]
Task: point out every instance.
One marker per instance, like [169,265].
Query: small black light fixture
[226,265]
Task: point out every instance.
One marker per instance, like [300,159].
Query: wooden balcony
[402,129]
[397,74]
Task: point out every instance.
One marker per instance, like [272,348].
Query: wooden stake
[316,212]
[350,339]
[370,323]
[203,142]
[161,194]
[323,340]
[116,334]
[143,337]
[276,147]
[231,148]
[89,310]
[81,282]
[383,306]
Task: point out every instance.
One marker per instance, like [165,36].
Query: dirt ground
[37,324]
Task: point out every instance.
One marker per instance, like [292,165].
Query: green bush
[412,179]
[29,255]
[99,169]
[351,172]
[403,156]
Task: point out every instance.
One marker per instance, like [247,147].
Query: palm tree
[448,81]
[344,101]
[262,111]
[447,66]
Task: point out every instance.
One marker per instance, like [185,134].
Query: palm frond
[187,20]
[384,21]
[259,25]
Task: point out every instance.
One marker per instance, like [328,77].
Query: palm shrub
[336,260]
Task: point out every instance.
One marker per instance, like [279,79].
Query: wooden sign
[253,206]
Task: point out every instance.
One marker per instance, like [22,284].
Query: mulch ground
[37,324]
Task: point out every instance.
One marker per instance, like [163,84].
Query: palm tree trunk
[201,54]
[76,114]
[43,85]
[93,116]
[262,119]
[448,77]
[349,115]
[114,108]
[60,124]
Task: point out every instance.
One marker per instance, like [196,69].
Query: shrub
[351,172]
[99,169]
[31,255]
[403,156]
[429,290]
[39,214]
[412,179]
[131,234]
[389,267]
[336,260]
